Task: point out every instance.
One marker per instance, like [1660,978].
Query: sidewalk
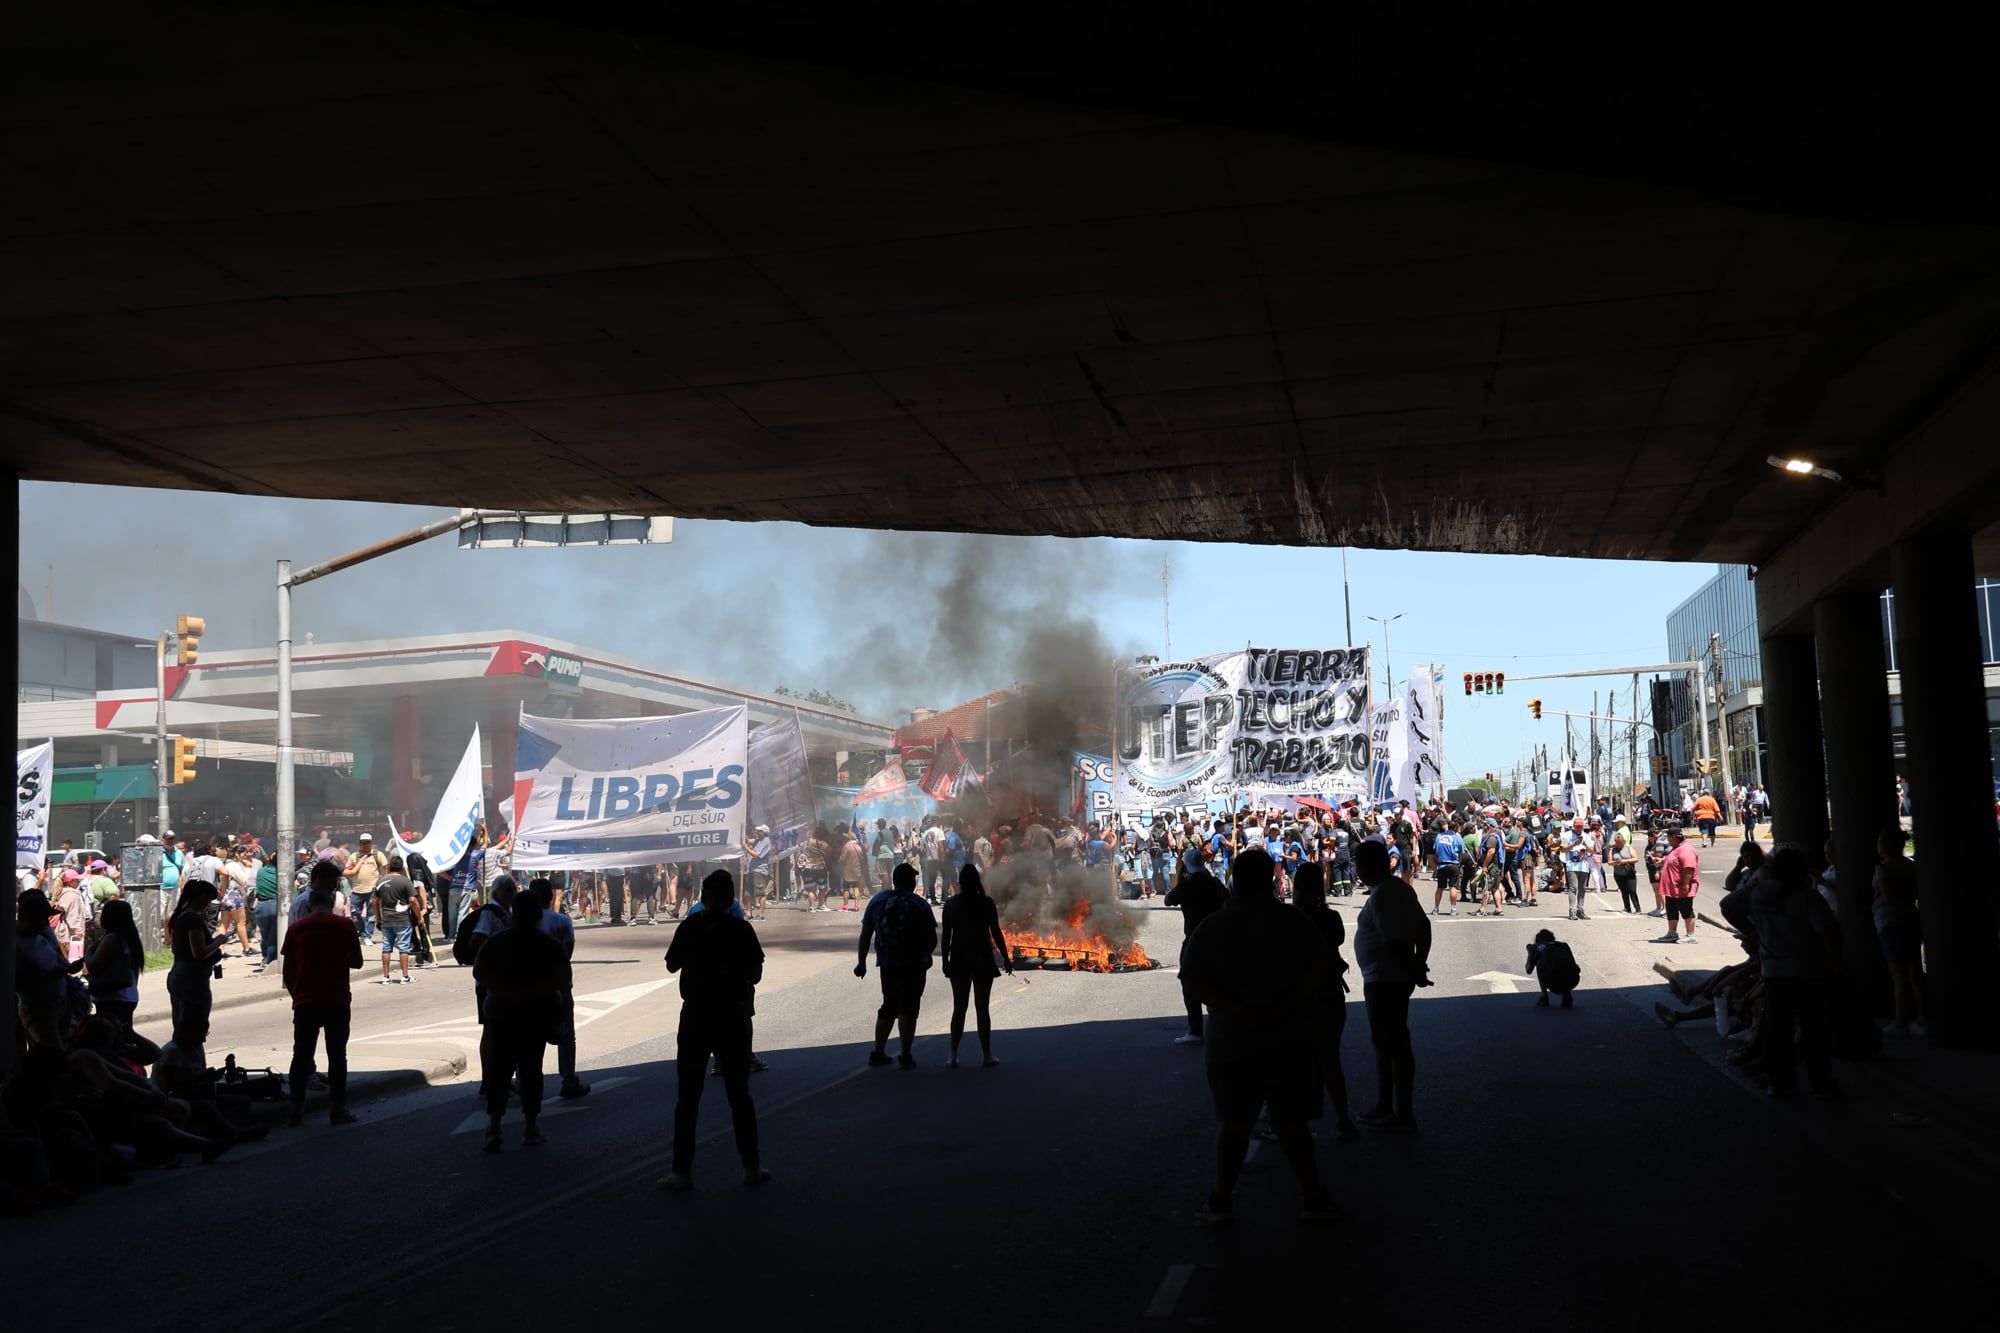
[1920,1122]
[375,1071]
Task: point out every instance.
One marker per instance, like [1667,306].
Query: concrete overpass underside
[1397,280]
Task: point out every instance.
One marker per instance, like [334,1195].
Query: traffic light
[1707,766]
[183,760]
[1535,707]
[188,630]
[1468,684]
[1500,683]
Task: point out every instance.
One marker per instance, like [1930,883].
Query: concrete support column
[406,750]
[1796,759]
[1950,771]
[1860,770]
[503,734]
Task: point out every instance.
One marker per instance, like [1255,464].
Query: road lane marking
[477,1120]
[1168,1294]
[1499,983]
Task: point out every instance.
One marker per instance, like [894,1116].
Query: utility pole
[1721,717]
[1167,611]
[1346,598]
[1595,783]
[1388,670]
[1634,745]
[166,776]
[1611,737]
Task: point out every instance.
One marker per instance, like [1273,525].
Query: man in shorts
[904,932]
[398,904]
[1449,849]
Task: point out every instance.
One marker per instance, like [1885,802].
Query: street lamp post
[1388,671]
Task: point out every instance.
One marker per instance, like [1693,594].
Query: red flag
[940,780]
[889,782]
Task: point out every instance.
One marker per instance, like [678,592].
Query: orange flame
[1087,953]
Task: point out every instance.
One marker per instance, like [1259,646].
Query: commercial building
[1726,607]
[378,725]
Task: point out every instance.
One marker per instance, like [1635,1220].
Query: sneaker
[1919,1029]
[878,1060]
[1542,1003]
[1657,911]
[951,1062]
[574,1089]
[533,1137]
[1187,1039]
[340,1115]
[1347,1131]
[679,1182]
[1569,1001]
[906,1062]
[1668,939]
[757,1066]
[988,1063]
[1214,1212]
[756,1175]
[1318,1210]
[296,1118]
[1581,917]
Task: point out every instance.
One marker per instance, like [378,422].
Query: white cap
[367,837]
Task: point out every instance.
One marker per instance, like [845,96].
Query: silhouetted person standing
[720,963]
[1260,967]
[1309,896]
[320,951]
[1199,895]
[972,937]
[525,973]
[1392,943]
[904,931]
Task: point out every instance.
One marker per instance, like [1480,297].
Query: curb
[221,1002]
[388,1082]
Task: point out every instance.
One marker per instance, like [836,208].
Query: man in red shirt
[1680,877]
[320,950]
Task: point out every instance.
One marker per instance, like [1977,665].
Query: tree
[816,696]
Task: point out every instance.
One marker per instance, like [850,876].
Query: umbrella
[1315,803]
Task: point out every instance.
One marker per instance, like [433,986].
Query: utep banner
[1092,774]
[34,773]
[781,796]
[1290,721]
[450,832]
[600,794]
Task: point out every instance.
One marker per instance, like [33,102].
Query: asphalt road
[1581,1168]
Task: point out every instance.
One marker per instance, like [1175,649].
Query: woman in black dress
[971,935]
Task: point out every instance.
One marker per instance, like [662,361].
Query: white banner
[1567,802]
[781,794]
[34,780]
[450,832]
[1423,726]
[604,794]
[1391,749]
[1289,721]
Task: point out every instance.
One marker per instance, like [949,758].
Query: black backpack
[465,944]
[909,935]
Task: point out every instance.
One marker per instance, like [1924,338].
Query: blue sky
[862,613]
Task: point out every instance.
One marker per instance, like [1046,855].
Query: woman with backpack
[971,939]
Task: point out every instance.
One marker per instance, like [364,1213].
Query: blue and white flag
[781,794]
[458,813]
[34,779]
[601,794]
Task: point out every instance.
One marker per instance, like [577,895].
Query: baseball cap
[1621,820]
[367,837]
[170,834]
[25,878]
[762,828]
[1191,859]
[100,864]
